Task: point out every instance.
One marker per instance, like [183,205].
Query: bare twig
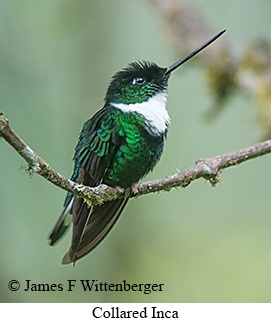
[208,168]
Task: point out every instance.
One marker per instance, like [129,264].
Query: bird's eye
[138,81]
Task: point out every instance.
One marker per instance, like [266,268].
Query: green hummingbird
[118,146]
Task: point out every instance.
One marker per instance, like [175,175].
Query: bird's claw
[134,188]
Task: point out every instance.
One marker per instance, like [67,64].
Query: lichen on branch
[207,168]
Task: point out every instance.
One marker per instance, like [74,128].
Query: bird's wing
[94,153]
[97,144]
[92,156]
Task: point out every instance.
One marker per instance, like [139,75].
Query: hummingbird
[118,146]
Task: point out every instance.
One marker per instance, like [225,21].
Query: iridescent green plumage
[119,145]
[116,148]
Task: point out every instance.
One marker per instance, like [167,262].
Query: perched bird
[119,145]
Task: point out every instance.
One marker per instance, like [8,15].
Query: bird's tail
[62,224]
[91,226]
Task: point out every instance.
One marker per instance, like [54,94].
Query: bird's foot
[134,188]
[120,189]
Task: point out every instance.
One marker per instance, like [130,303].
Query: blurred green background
[205,244]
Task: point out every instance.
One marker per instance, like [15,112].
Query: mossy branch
[231,67]
[207,168]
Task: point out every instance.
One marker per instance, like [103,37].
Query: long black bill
[195,52]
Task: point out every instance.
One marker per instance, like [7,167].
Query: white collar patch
[154,111]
